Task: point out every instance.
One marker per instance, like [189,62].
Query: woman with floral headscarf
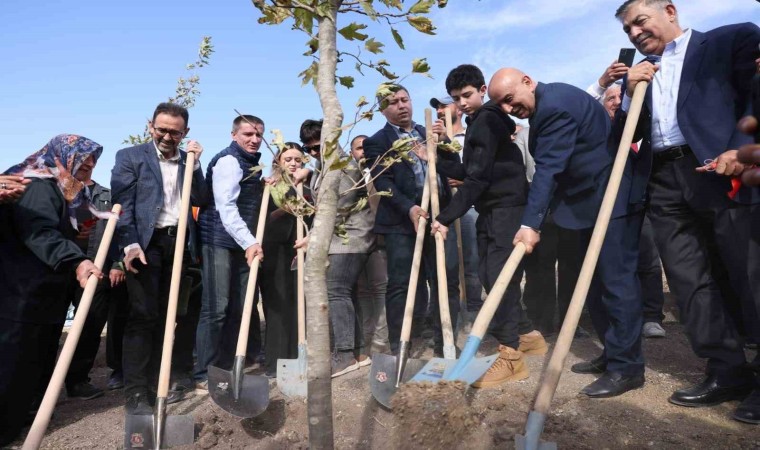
[39,261]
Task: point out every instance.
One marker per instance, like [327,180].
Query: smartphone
[626,56]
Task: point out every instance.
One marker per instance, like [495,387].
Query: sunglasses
[311,148]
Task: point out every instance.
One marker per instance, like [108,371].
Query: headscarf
[71,150]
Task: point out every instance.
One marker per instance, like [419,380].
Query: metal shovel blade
[532,438]
[248,398]
[439,369]
[382,376]
[291,374]
[140,431]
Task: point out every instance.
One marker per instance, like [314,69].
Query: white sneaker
[653,330]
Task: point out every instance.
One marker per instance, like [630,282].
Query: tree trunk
[317,309]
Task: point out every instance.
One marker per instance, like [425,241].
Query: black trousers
[27,360]
[710,253]
[495,230]
[400,251]
[650,275]
[614,299]
[560,247]
[148,300]
[109,305]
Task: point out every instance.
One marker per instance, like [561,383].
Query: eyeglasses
[311,148]
[175,134]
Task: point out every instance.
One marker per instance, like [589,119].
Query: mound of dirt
[432,416]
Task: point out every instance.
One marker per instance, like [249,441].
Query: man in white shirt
[146,180]
[703,223]
[228,246]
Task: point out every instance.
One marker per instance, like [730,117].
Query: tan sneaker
[533,343]
[509,366]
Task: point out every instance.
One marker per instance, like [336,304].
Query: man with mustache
[228,246]
[146,180]
[569,140]
[700,86]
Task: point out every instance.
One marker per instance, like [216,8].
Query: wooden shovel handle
[440,259]
[562,347]
[411,293]
[250,289]
[457,224]
[300,225]
[42,419]
[179,252]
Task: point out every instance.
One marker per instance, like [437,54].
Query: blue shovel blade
[439,369]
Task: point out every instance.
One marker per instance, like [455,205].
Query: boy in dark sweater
[493,173]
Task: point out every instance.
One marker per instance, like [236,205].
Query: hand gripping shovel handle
[300,225]
[562,347]
[179,252]
[41,421]
[457,225]
[245,319]
[440,259]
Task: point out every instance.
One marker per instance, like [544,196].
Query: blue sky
[99,68]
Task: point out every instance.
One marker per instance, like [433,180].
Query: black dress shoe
[709,393]
[596,365]
[612,384]
[749,410]
[175,396]
[138,404]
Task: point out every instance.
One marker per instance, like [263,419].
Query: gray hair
[623,9]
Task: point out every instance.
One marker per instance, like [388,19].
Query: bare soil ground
[639,419]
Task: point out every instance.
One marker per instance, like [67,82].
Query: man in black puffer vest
[228,246]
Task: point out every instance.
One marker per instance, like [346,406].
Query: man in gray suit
[146,180]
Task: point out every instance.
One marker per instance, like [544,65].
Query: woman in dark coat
[40,262]
[278,280]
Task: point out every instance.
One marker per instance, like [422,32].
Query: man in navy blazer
[700,85]
[146,180]
[398,215]
[570,142]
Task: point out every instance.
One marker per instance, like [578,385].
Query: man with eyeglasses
[228,246]
[146,180]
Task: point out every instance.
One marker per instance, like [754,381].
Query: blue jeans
[225,276]
[473,286]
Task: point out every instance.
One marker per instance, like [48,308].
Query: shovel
[42,419]
[387,371]
[537,417]
[449,349]
[468,368]
[291,373]
[157,430]
[240,394]
[458,231]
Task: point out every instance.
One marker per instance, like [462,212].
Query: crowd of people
[688,204]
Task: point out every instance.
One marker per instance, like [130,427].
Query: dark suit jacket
[393,212]
[136,184]
[570,142]
[714,93]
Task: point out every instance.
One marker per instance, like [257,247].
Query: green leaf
[384,193]
[421,24]
[274,16]
[340,164]
[420,65]
[451,147]
[361,102]
[310,74]
[346,81]
[313,45]
[304,20]
[397,38]
[442,3]
[421,7]
[392,3]
[367,7]
[373,46]
[351,32]
[386,73]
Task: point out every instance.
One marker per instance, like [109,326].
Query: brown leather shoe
[509,366]
[533,343]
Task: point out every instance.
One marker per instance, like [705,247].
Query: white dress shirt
[226,187]
[665,86]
